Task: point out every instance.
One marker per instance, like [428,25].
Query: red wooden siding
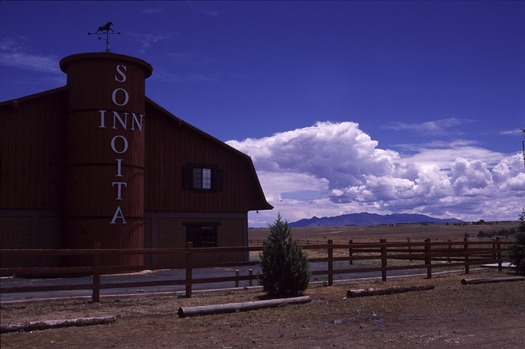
[58,165]
[31,160]
[172,144]
[105,147]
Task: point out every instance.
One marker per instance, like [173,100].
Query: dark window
[202,235]
[202,177]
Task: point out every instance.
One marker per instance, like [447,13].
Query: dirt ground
[452,315]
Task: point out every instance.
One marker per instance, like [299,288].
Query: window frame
[196,230]
[202,177]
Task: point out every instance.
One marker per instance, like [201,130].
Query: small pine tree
[521,219]
[285,270]
[517,253]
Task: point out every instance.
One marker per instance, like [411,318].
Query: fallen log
[237,307]
[46,324]
[364,292]
[491,280]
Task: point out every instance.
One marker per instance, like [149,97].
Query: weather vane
[105,29]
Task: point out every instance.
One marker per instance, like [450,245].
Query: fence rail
[334,259]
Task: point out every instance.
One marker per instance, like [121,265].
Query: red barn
[98,161]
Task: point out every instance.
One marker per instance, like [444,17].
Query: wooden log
[364,292]
[46,324]
[491,280]
[237,307]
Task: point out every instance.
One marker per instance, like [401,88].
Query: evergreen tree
[521,219]
[517,253]
[285,270]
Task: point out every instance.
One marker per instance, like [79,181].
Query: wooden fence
[330,259]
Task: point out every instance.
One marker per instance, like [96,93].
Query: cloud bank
[330,169]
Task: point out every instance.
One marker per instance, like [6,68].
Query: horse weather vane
[105,30]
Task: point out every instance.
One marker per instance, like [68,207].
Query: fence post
[465,248]
[330,263]
[449,251]
[383,259]
[189,268]
[237,278]
[350,252]
[250,282]
[428,258]
[409,249]
[498,249]
[95,296]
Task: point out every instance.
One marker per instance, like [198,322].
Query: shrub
[502,232]
[285,270]
[521,219]
[517,253]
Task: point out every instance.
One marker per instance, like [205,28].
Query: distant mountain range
[367,219]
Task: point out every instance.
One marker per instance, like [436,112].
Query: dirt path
[450,316]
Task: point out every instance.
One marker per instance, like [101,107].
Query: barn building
[98,161]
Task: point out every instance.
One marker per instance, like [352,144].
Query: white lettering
[123,123]
[119,143]
[118,215]
[102,119]
[119,188]
[120,70]
[119,168]
[136,121]
[114,147]
[114,97]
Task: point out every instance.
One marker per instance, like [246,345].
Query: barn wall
[171,145]
[28,229]
[31,156]
[58,166]
[169,230]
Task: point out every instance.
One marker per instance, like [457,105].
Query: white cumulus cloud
[343,170]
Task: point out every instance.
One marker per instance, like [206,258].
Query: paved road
[145,276]
[161,275]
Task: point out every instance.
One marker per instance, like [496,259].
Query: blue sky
[345,106]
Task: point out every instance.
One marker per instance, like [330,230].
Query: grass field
[401,232]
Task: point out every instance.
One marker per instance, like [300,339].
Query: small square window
[202,178]
[202,235]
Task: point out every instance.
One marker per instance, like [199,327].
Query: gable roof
[218,143]
[37,95]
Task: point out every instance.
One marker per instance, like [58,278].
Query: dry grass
[450,315]
[402,232]
[372,234]
[482,316]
